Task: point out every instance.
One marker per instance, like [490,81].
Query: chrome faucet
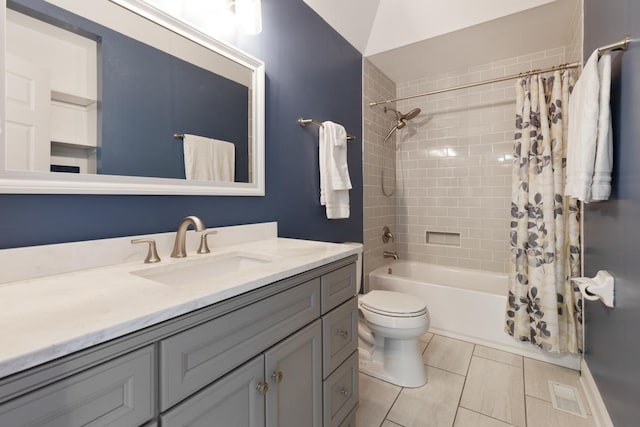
[179,250]
[389,254]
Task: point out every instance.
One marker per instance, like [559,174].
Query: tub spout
[389,254]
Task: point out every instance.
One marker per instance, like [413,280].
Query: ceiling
[410,39]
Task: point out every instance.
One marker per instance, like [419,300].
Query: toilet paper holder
[601,287]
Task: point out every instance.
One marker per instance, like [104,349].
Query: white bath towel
[601,186]
[589,138]
[334,173]
[208,159]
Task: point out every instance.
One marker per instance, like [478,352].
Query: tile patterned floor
[470,386]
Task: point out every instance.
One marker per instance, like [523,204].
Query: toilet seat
[393,304]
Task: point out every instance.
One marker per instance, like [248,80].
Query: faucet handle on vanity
[152,253]
[204,246]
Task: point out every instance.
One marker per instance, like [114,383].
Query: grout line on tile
[378,379]
[485,415]
[493,360]
[466,372]
[446,370]
[390,407]
[464,384]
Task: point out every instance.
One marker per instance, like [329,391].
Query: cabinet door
[118,393]
[234,400]
[293,370]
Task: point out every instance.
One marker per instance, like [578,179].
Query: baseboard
[590,388]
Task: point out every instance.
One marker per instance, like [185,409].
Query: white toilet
[389,326]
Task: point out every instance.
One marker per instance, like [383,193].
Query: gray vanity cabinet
[283,355]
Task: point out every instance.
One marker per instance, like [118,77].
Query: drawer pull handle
[343,333]
[344,391]
[277,377]
[262,388]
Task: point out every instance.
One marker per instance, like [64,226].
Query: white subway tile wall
[379,210]
[455,162]
[574,48]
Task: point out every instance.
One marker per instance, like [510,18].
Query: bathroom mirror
[99,95]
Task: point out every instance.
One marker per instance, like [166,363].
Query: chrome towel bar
[303,122]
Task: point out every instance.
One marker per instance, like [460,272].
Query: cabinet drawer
[117,393]
[339,335]
[338,286]
[231,401]
[194,358]
[340,392]
[350,421]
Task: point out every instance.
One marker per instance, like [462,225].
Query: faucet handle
[152,253]
[386,235]
[204,246]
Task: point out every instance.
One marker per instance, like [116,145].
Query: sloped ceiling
[409,39]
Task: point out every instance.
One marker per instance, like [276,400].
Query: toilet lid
[393,304]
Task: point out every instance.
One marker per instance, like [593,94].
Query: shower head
[401,120]
[411,114]
[399,116]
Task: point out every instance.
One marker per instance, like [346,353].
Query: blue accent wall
[148,95]
[311,71]
[612,232]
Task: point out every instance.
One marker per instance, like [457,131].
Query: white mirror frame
[30,182]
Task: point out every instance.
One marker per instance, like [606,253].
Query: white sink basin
[204,271]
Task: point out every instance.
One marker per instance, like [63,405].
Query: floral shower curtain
[543,308]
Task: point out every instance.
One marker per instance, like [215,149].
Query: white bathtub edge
[571,361]
[596,403]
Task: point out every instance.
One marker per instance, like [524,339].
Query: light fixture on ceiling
[249,16]
[215,16]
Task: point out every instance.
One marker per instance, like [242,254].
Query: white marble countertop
[44,318]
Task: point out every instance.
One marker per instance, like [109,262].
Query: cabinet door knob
[344,391]
[343,333]
[277,377]
[262,388]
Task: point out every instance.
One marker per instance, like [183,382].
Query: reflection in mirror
[102,95]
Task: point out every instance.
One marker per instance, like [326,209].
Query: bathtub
[464,304]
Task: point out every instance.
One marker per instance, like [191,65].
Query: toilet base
[399,362]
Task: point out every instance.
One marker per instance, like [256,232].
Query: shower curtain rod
[620,45]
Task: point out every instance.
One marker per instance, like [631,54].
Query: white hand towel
[589,145]
[208,159]
[334,173]
[601,186]
[340,169]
